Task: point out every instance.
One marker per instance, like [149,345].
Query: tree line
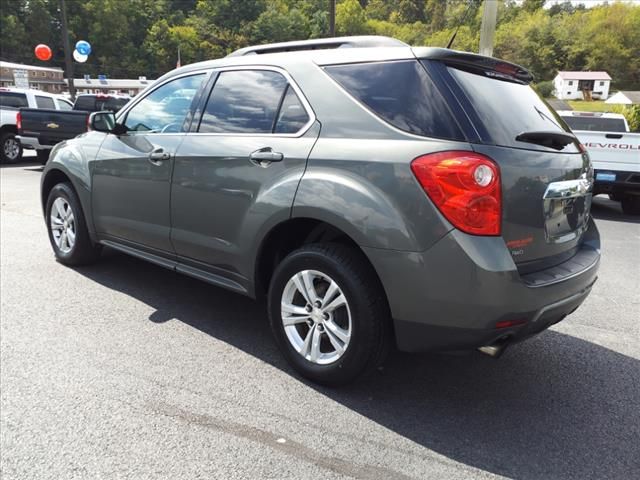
[142,37]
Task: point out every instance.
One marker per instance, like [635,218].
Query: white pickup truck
[615,154]
[11,99]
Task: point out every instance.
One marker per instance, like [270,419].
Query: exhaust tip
[496,349]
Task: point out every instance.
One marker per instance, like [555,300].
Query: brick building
[47,79]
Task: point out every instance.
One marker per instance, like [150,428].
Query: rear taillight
[465,186]
[19,121]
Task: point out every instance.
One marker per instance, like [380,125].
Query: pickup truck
[11,99]
[615,153]
[41,129]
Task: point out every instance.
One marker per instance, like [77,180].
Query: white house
[581,85]
[625,98]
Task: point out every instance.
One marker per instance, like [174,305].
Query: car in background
[12,99]
[41,129]
[615,153]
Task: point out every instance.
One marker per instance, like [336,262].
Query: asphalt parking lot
[126,370]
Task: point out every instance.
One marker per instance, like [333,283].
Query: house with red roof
[582,85]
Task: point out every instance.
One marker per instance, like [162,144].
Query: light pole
[488,28]
[67,51]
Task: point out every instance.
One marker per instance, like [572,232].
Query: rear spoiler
[489,66]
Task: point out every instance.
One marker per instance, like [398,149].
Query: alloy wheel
[316,317]
[63,225]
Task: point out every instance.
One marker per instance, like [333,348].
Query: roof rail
[364,41]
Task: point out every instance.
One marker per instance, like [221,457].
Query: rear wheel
[10,148]
[631,204]
[328,313]
[67,227]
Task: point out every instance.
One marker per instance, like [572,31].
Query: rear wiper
[555,140]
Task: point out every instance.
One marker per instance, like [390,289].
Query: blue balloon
[83,47]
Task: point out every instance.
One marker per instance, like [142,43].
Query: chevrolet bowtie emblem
[52,125]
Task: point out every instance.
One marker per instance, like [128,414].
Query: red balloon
[43,52]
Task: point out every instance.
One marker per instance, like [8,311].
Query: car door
[132,171]
[237,172]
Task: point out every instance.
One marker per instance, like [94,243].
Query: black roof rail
[364,41]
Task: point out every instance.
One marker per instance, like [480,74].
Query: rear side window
[596,124]
[507,109]
[44,102]
[402,94]
[292,116]
[13,99]
[64,105]
[243,101]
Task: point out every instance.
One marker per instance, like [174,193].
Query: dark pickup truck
[41,129]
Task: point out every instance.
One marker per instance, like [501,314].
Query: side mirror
[102,121]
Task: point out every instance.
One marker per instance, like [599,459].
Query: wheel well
[9,128]
[53,178]
[289,236]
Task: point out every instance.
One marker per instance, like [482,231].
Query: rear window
[402,94]
[597,124]
[94,103]
[507,109]
[13,99]
[44,102]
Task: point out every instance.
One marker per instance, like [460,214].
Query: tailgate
[546,201]
[52,126]
[612,151]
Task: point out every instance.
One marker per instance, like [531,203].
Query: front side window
[402,94]
[244,101]
[44,102]
[165,109]
[64,105]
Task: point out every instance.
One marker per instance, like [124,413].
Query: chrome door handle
[158,155]
[264,156]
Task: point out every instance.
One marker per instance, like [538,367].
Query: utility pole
[67,51]
[332,18]
[488,28]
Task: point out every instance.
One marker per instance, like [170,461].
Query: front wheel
[328,313]
[67,227]
[10,148]
[631,205]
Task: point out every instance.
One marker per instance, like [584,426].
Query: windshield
[596,124]
[508,109]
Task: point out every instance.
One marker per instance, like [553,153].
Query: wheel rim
[11,148]
[63,225]
[316,317]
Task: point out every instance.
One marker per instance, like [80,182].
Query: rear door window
[292,116]
[13,100]
[402,94]
[596,124]
[44,102]
[244,101]
[506,109]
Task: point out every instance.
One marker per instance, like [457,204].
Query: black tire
[43,155]
[631,205]
[367,304]
[10,148]
[83,251]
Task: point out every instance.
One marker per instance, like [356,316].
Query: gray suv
[372,192]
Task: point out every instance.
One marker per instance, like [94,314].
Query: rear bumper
[32,142]
[452,296]
[625,182]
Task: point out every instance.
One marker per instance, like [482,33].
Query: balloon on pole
[43,52]
[83,47]
[78,57]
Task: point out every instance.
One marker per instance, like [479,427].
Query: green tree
[351,18]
